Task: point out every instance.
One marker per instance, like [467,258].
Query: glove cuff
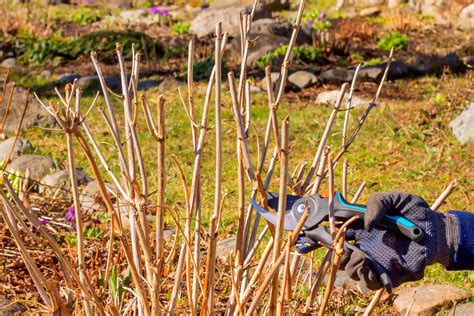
[446,237]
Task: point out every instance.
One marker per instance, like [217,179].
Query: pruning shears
[313,233]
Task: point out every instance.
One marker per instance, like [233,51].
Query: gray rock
[169,84]
[68,78]
[275,80]
[9,62]
[464,309]
[435,65]
[303,79]
[463,125]
[372,11]
[283,29]
[371,73]
[92,82]
[466,18]
[9,309]
[255,89]
[39,166]
[205,23]
[330,98]
[335,75]
[225,246]
[168,234]
[90,198]
[46,73]
[60,179]
[131,15]
[36,115]
[21,145]
[428,298]
[148,84]
[266,43]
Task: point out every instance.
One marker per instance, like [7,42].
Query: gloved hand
[403,259]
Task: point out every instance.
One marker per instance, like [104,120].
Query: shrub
[303,53]
[393,39]
[203,68]
[85,16]
[181,28]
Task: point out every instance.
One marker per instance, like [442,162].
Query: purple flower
[43,222]
[163,12]
[322,15]
[70,215]
[153,9]
[309,21]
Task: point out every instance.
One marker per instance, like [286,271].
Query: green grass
[405,144]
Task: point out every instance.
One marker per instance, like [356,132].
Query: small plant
[303,53]
[85,16]
[394,40]
[372,62]
[203,68]
[318,20]
[14,177]
[181,28]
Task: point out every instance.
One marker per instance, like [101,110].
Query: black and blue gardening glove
[403,259]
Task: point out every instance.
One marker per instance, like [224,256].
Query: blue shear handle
[396,223]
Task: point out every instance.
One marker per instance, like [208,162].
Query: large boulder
[35,115]
[303,79]
[60,180]
[22,145]
[265,43]
[330,98]
[38,166]
[225,246]
[463,125]
[435,65]
[228,13]
[425,300]
[282,28]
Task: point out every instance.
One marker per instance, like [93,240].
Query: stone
[148,84]
[22,145]
[283,29]
[427,299]
[464,309]
[435,65]
[90,198]
[205,23]
[266,43]
[225,246]
[8,308]
[119,3]
[371,73]
[168,234]
[9,62]
[466,18]
[131,15]
[255,89]
[330,98]
[60,179]
[39,166]
[67,78]
[372,11]
[303,79]
[463,126]
[36,115]
[169,84]
[275,80]
[335,75]
[46,73]
[92,82]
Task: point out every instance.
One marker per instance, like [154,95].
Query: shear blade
[289,222]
